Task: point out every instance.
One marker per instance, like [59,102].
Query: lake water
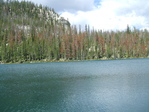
[85,86]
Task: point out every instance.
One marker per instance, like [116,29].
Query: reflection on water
[87,86]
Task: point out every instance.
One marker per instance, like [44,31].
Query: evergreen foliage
[29,32]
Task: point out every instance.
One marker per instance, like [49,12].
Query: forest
[35,33]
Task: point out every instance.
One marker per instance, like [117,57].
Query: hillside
[20,21]
[27,13]
[31,33]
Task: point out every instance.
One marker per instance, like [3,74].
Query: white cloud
[102,14]
[113,14]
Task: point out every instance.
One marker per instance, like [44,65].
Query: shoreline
[63,60]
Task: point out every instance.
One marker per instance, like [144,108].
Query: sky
[102,14]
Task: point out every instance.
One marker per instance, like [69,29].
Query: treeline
[30,37]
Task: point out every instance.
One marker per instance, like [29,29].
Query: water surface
[85,86]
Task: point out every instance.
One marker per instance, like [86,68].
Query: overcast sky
[102,14]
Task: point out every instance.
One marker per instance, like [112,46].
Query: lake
[79,86]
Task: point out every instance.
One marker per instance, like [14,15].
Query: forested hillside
[30,32]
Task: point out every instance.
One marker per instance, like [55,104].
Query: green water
[85,86]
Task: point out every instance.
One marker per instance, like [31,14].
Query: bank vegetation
[30,33]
